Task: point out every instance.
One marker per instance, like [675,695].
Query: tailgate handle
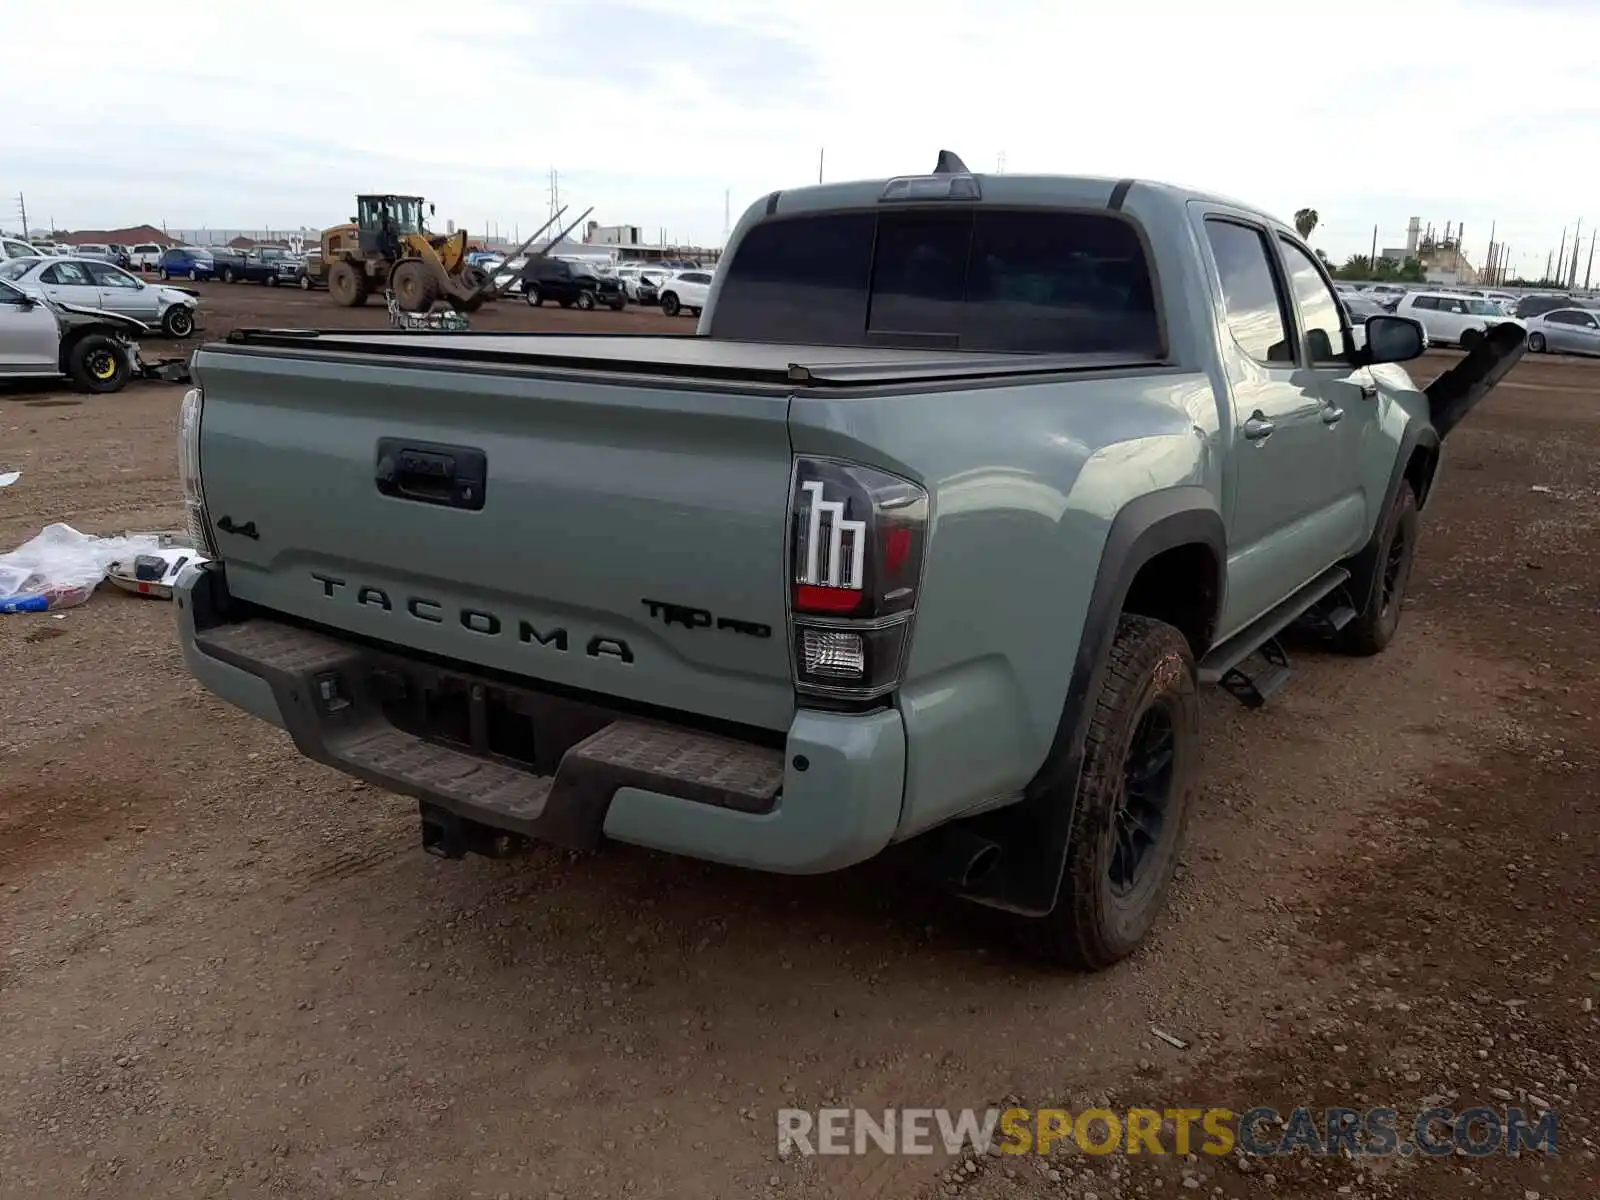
[430,473]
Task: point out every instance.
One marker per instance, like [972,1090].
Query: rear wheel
[347,286]
[98,363]
[271,281]
[584,301]
[1536,343]
[530,293]
[305,283]
[413,287]
[670,305]
[162,274]
[1470,338]
[1135,790]
[1393,550]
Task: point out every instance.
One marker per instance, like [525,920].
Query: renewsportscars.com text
[1372,1132]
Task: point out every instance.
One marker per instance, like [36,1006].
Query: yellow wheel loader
[387,246]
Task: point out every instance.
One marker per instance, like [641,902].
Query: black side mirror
[1392,340]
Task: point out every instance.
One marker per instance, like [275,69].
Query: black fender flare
[1419,435]
[1033,833]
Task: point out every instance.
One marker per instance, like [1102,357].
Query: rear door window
[1017,281]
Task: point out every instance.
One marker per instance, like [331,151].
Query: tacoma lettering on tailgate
[476,620]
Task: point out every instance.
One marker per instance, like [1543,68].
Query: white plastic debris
[60,568]
[7,478]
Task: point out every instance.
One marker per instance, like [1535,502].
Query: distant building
[596,234]
[138,235]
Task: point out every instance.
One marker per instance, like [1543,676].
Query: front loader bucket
[466,291]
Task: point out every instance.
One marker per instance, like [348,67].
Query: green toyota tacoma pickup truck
[925,538]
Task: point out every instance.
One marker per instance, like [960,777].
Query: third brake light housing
[856,543]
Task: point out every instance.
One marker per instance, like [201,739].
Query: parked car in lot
[1453,319]
[1542,302]
[145,256]
[641,283]
[1361,307]
[271,265]
[569,284]
[1564,331]
[686,291]
[186,262]
[110,253]
[95,284]
[929,540]
[14,248]
[40,339]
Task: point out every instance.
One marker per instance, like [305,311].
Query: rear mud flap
[1457,392]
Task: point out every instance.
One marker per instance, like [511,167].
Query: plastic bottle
[35,602]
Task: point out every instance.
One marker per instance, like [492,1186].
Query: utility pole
[1546,278]
[1588,272]
[1561,257]
[1372,259]
[1577,239]
[820,154]
[555,194]
[22,208]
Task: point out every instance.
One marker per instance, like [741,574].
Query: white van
[1452,318]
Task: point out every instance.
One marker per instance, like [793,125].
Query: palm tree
[1305,220]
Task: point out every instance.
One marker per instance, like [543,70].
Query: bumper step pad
[346,728]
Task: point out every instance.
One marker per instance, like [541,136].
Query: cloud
[279,111]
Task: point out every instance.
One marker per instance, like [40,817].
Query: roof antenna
[950,164]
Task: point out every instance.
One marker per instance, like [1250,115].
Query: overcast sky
[234,115]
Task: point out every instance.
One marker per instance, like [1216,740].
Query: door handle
[1332,415]
[1258,428]
[453,476]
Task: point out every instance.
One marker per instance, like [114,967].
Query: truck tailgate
[627,539]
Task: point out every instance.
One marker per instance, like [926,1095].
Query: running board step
[1254,688]
[1325,622]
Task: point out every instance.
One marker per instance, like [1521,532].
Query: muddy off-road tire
[1392,551]
[413,288]
[347,286]
[98,363]
[1140,773]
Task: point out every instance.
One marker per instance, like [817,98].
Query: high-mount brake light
[855,550]
[932,187]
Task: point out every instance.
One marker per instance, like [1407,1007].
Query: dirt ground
[225,971]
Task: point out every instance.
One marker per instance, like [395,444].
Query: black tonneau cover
[690,355]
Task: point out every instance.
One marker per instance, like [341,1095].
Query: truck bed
[687,356]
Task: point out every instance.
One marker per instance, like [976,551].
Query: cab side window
[1257,312]
[1320,315]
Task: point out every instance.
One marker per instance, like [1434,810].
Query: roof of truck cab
[1089,191]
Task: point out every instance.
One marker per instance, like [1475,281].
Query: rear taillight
[197,521]
[855,553]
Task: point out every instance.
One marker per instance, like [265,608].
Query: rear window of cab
[1014,281]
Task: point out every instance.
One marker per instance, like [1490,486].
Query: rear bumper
[829,798]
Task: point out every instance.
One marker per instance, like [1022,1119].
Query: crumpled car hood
[128,324]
